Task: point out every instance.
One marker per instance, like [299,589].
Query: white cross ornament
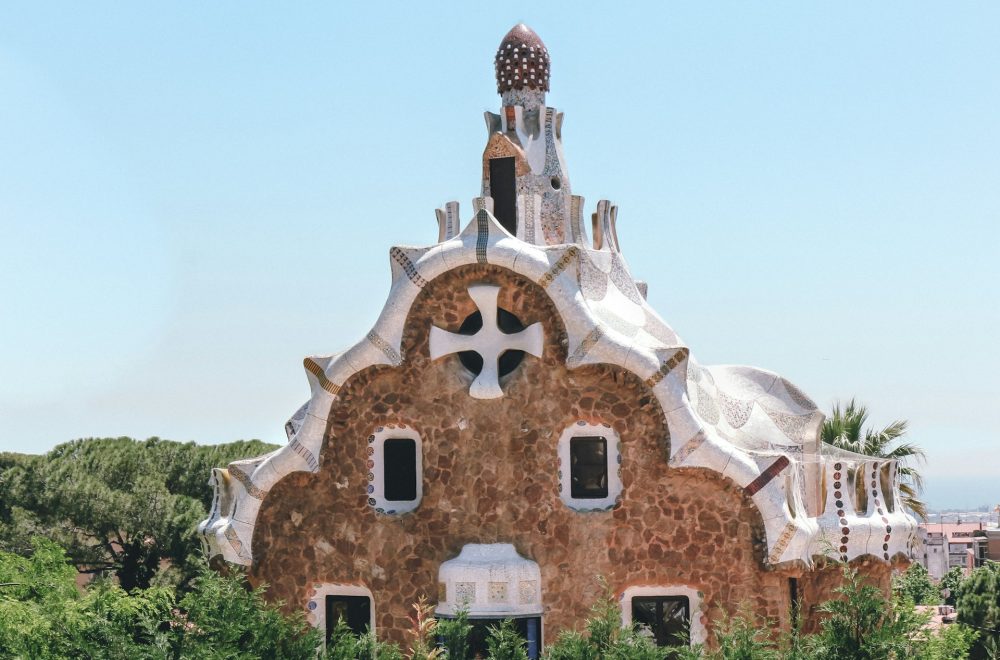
[489,342]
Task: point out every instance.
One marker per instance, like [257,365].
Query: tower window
[590,457]
[667,617]
[399,456]
[395,469]
[588,467]
[503,190]
[355,611]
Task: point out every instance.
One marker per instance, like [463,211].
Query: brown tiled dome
[522,61]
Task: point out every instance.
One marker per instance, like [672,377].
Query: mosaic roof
[522,61]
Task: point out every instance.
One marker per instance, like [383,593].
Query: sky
[195,196]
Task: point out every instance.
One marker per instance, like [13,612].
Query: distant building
[943,546]
[986,547]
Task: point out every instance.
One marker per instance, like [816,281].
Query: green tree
[978,605]
[115,504]
[44,617]
[952,581]
[915,585]
[454,635]
[505,642]
[863,624]
[846,428]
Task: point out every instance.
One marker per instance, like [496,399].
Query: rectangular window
[355,611]
[529,628]
[503,190]
[399,456]
[588,457]
[667,616]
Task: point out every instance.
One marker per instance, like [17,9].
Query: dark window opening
[793,597]
[355,611]
[399,458]
[529,628]
[509,325]
[588,457]
[503,190]
[668,617]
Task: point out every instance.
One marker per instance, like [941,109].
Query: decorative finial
[522,61]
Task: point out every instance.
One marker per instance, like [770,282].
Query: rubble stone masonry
[490,474]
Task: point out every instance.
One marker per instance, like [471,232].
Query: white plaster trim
[698,633]
[585,429]
[374,451]
[316,605]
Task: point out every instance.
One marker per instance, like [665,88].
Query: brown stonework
[490,475]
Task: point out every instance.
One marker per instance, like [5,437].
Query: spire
[522,61]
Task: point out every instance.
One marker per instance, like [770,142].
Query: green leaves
[115,504]
[845,428]
[978,605]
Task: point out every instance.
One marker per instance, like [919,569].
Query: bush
[978,605]
[454,635]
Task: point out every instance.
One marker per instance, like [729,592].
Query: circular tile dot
[843,539]
[840,504]
[843,548]
[843,521]
[837,494]
[836,475]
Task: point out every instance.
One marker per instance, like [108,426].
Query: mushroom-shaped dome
[522,61]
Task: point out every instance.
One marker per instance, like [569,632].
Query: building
[931,551]
[520,420]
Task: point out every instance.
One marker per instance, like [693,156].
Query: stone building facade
[519,420]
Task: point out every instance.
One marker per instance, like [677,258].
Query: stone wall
[491,475]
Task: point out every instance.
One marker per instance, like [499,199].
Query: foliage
[345,645]
[952,581]
[863,624]
[743,637]
[505,642]
[115,504]
[845,428]
[606,639]
[43,616]
[953,641]
[914,584]
[978,606]
[454,635]
[424,627]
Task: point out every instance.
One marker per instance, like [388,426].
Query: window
[395,469]
[351,603]
[399,458]
[667,616]
[503,190]
[667,611]
[589,466]
[588,457]
[530,629]
[355,611]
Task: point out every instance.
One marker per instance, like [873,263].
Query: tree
[863,624]
[915,585]
[845,428]
[978,606]
[43,616]
[115,504]
[952,581]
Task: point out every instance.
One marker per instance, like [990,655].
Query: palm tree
[845,428]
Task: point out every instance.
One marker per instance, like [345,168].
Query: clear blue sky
[194,196]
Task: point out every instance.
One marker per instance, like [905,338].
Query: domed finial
[522,61]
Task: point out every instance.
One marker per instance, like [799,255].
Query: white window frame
[698,633]
[375,460]
[316,606]
[581,429]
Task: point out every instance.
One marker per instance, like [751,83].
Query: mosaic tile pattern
[522,61]
[497,592]
[465,592]
[526,590]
